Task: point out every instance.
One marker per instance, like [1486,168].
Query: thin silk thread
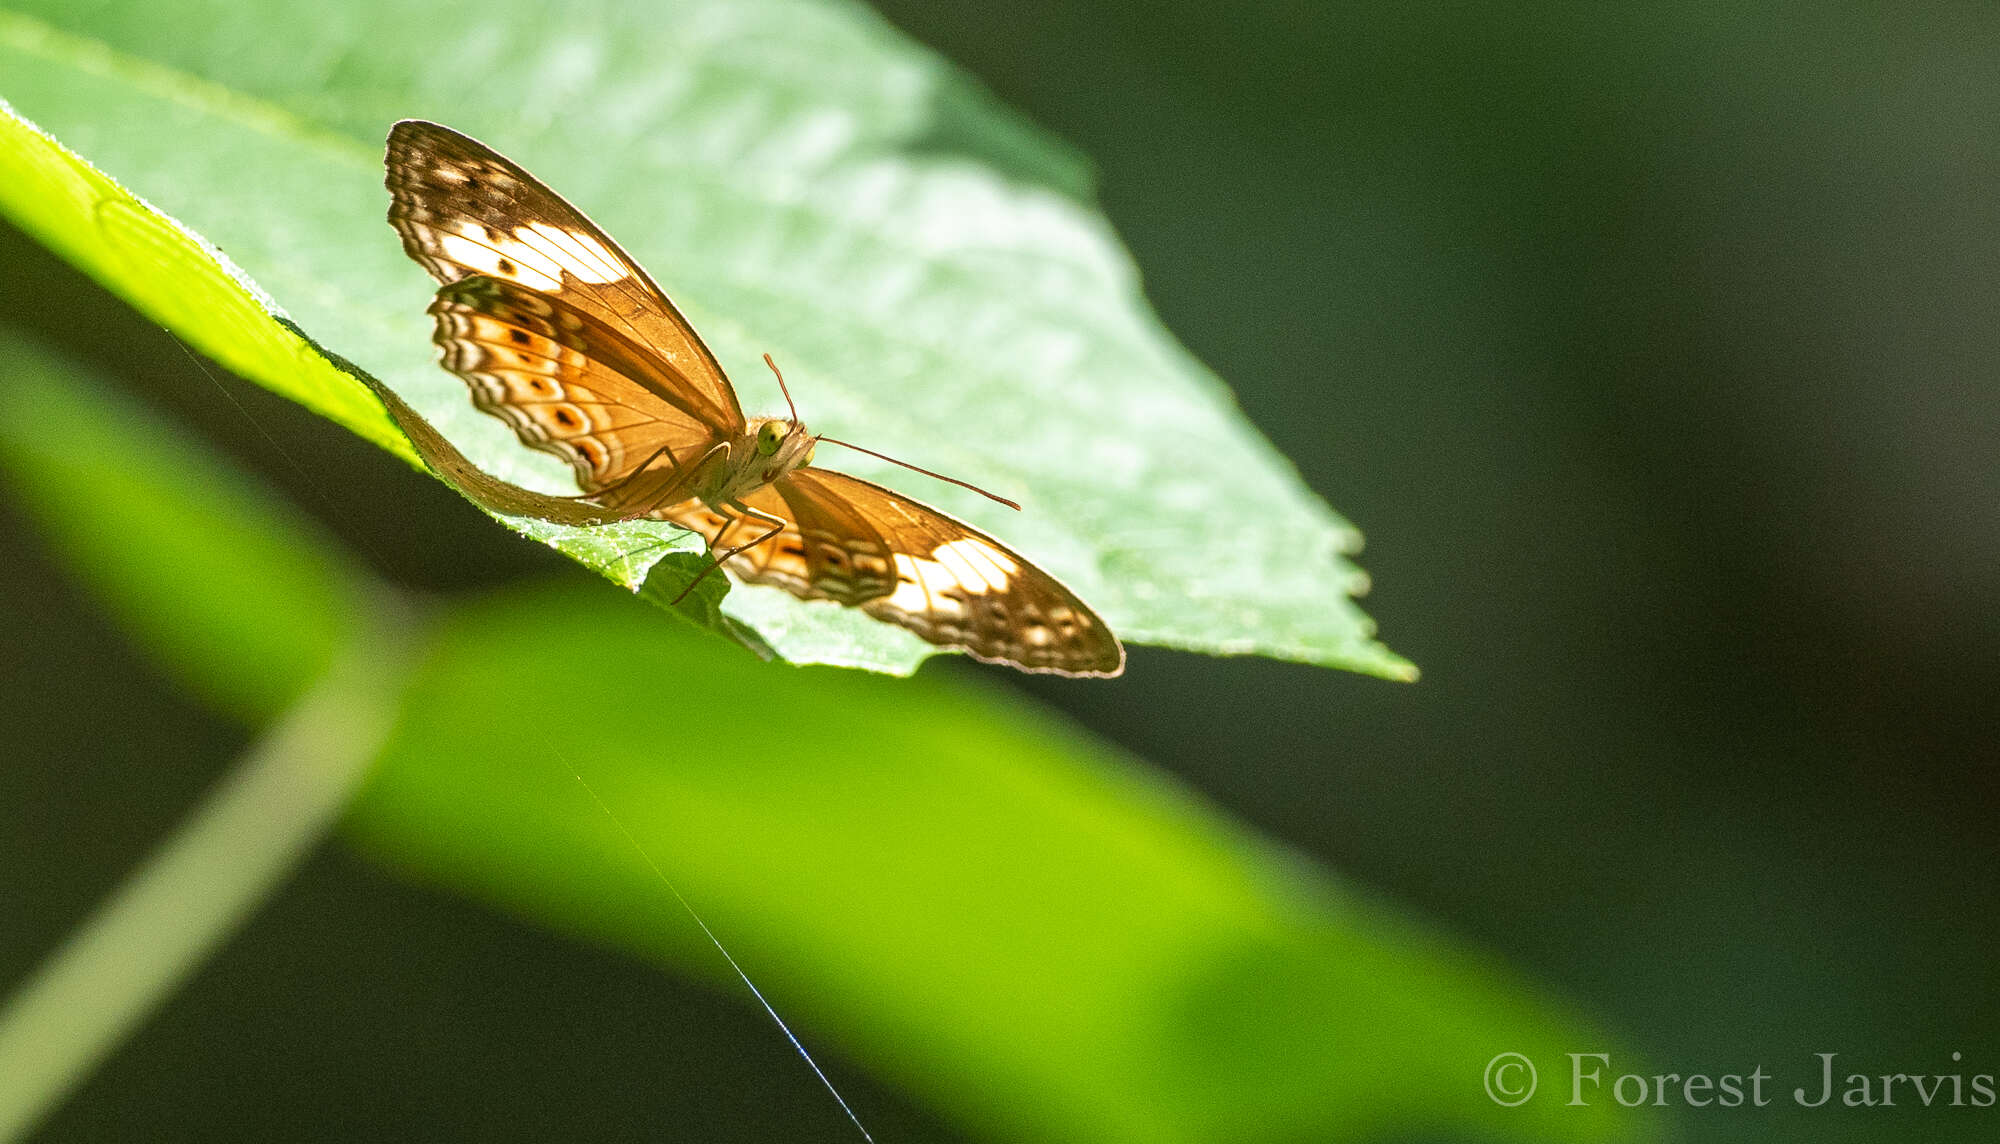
[719,947]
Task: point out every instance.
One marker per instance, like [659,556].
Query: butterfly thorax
[770,448]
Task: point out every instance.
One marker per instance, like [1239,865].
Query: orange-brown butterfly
[561,335]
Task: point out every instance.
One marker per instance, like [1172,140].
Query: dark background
[1653,348]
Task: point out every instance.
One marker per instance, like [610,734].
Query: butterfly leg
[778,525]
[665,450]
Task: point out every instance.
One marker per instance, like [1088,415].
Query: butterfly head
[786,443]
[783,446]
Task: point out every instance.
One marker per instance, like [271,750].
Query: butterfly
[560,334]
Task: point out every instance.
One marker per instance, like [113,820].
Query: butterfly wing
[571,385]
[827,549]
[857,543]
[463,210]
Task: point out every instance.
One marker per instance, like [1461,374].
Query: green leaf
[1034,933]
[805,181]
[208,568]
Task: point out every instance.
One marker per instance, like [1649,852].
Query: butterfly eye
[768,436]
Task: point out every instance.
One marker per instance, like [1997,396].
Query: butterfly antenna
[782,389]
[924,471]
[883,456]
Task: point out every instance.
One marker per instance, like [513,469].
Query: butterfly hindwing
[826,551]
[569,385]
[463,209]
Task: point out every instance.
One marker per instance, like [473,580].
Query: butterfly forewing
[463,209]
[957,587]
[857,543]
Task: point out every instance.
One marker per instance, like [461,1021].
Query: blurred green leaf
[803,178]
[246,603]
[1026,928]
